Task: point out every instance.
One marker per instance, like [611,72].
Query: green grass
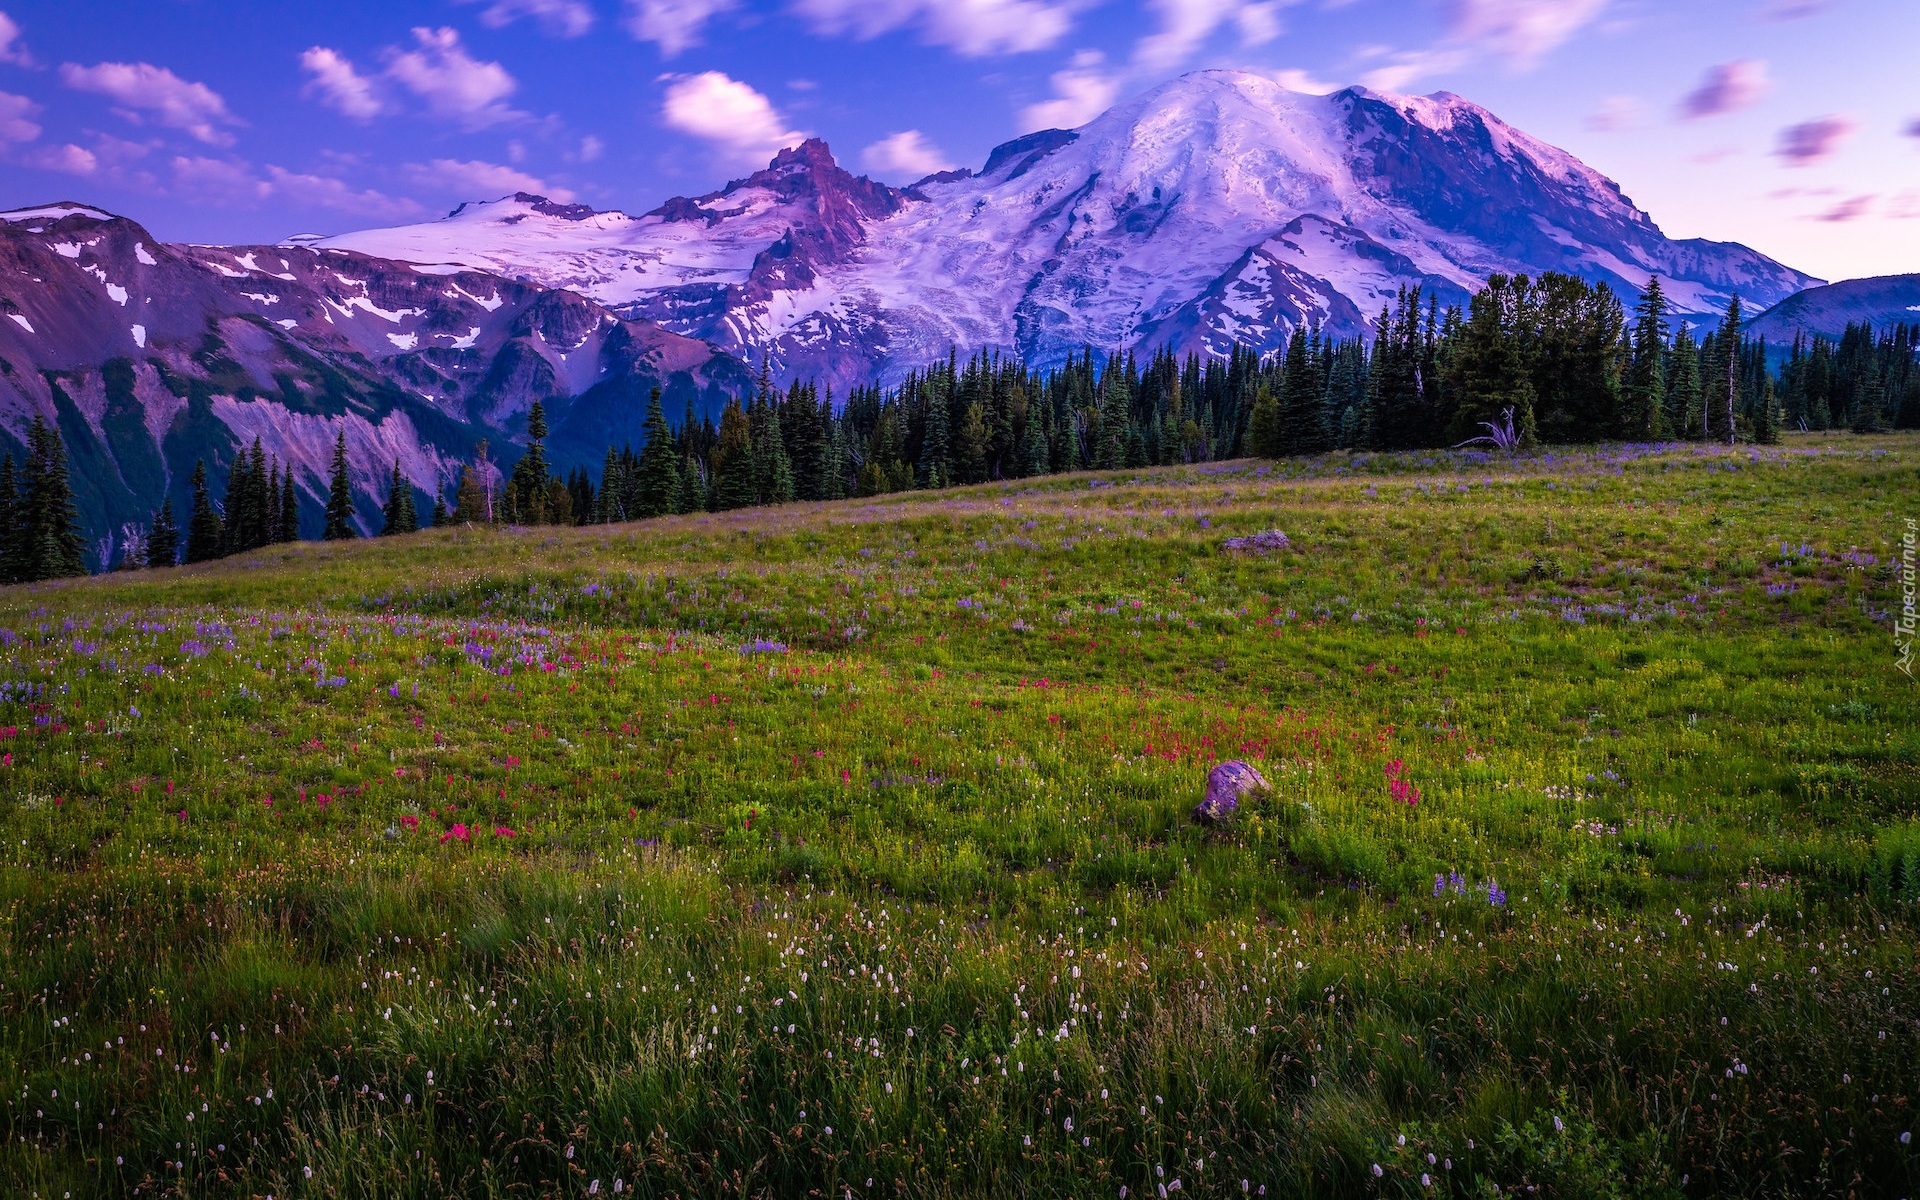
[925,877]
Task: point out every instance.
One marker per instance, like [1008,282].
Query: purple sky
[1790,125]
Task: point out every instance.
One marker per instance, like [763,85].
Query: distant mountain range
[1883,301]
[1218,208]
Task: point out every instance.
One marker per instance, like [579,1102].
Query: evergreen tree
[694,490]
[1644,413]
[47,513]
[1727,365]
[935,468]
[289,507]
[1264,437]
[234,508]
[527,490]
[163,538]
[442,517]
[659,473]
[1683,387]
[12,551]
[399,512]
[469,500]
[733,473]
[340,496]
[203,525]
[1300,391]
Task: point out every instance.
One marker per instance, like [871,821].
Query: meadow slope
[842,850]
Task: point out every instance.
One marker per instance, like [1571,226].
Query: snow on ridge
[55,212]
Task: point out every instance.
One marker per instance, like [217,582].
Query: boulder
[1226,784]
[1260,543]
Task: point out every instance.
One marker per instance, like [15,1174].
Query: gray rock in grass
[1226,784]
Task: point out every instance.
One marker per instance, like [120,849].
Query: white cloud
[12,49]
[477,180]
[972,27]
[454,84]
[324,191]
[1617,113]
[1186,24]
[142,88]
[1295,80]
[219,180]
[907,155]
[591,148]
[16,123]
[338,85]
[737,120]
[673,25]
[1521,30]
[557,18]
[68,159]
[1408,66]
[1081,92]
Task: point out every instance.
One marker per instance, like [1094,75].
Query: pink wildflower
[459,833]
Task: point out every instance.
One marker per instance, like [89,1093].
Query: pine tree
[340,496]
[1300,428]
[441,517]
[203,525]
[469,501]
[527,489]
[1263,426]
[1644,411]
[733,473]
[289,507]
[52,523]
[12,549]
[659,482]
[398,513]
[163,538]
[1683,386]
[1729,361]
[935,468]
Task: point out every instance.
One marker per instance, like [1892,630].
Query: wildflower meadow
[844,849]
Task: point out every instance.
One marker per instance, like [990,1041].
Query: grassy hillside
[844,849]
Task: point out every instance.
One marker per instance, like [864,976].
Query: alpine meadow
[844,848]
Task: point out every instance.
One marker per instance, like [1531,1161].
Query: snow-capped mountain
[152,356]
[1219,206]
[1882,302]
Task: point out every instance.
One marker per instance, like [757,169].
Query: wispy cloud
[1617,113]
[673,25]
[332,78]
[16,118]
[335,195]
[905,156]
[453,83]
[468,180]
[142,91]
[1851,209]
[1794,10]
[557,18]
[1185,25]
[973,27]
[12,49]
[1521,31]
[1809,142]
[1727,87]
[729,115]
[1081,92]
[1295,80]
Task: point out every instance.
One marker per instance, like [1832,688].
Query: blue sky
[1790,125]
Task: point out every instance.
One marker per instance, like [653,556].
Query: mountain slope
[152,356]
[1217,206]
[1882,301]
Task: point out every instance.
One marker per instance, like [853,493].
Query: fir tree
[441,516]
[1727,402]
[527,489]
[340,496]
[47,513]
[1683,386]
[398,513]
[1644,413]
[659,473]
[935,469]
[12,551]
[733,473]
[1264,438]
[163,538]
[289,507]
[203,525]
[469,500]
[236,515]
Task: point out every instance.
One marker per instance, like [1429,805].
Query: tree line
[1554,359]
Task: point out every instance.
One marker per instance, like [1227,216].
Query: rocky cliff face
[1218,207]
[151,357]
